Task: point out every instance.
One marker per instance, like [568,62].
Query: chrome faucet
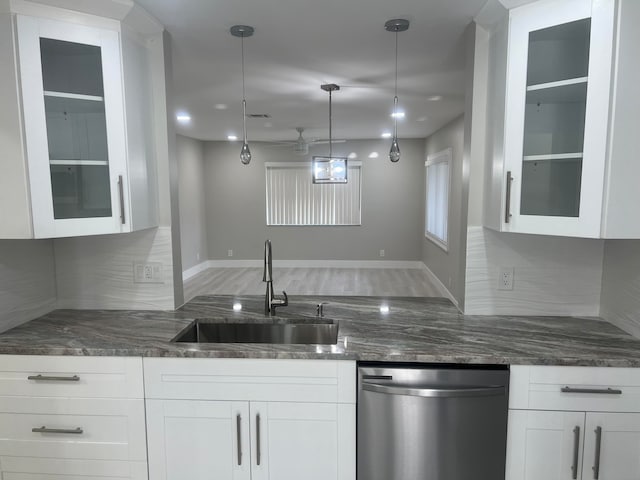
[270,300]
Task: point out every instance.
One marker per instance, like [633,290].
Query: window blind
[292,198]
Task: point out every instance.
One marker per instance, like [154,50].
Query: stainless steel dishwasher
[428,423]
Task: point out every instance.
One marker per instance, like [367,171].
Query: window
[293,199]
[437,197]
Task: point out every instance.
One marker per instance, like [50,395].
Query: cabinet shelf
[79,162]
[552,156]
[565,91]
[74,96]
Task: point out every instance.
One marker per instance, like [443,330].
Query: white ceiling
[299,45]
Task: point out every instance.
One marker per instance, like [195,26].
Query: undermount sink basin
[210,331]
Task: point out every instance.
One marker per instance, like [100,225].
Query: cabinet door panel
[303,440]
[619,446]
[541,445]
[198,440]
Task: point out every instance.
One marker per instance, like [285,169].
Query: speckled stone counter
[414,330]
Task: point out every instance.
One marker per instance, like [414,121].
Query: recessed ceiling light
[434,98]
[221,106]
[421,119]
[237,307]
[398,114]
[352,155]
[232,138]
[384,309]
[386,135]
[373,155]
[183,117]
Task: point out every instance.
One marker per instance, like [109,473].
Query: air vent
[258,115]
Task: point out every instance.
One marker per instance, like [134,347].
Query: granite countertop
[414,330]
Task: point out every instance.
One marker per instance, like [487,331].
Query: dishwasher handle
[489,391]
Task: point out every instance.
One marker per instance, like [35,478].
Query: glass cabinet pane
[551,187]
[76,129]
[556,98]
[559,53]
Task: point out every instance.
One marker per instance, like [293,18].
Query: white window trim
[351,164]
[443,156]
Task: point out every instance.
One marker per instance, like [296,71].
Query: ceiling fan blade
[323,140]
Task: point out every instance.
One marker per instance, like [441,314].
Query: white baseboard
[187,274]
[445,291]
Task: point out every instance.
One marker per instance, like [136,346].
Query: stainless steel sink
[210,331]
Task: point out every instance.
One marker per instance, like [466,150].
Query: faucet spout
[270,300]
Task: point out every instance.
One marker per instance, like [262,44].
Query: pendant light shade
[396,25]
[243,31]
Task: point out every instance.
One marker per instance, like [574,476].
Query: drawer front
[23,468]
[65,376]
[250,379]
[594,389]
[92,429]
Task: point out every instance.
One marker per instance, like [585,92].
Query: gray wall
[392,205]
[27,281]
[193,230]
[446,265]
[620,301]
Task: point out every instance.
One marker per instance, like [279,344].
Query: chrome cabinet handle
[435,392]
[239,438]
[576,451]
[74,378]
[121,194]
[605,391]
[258,452]
[596,463]
[507,205]
[43,429]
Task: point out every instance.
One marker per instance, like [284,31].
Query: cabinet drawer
[24,468]
[92,429]
[594,389]
[250,379]
[64,376]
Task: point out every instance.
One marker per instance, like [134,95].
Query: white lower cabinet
[270,430]
[553,436]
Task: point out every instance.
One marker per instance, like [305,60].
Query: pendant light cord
[395,98]
[330,139]
[244,102]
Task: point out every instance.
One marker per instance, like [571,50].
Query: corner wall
[620,302]
[27,281]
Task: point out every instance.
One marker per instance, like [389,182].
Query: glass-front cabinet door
[74,127]
[556,116]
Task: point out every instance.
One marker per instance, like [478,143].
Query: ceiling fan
[301,144]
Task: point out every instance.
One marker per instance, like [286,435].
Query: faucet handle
[286,299]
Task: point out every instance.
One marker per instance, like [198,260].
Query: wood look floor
[404,282]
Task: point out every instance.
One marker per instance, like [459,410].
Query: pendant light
[396,25]
[243,31]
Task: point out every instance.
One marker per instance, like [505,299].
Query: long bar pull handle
[507,205]
[121,194]
[47,378]
[490,391]
[576,452]
[604,391]
[239,437]
[43,429]
[596,462]
[258,452]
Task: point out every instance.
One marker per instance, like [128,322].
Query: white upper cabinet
[81,143]
[556,158]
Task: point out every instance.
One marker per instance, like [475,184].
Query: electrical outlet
[229,253]
[505,278]
[382,253]
[147,272]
